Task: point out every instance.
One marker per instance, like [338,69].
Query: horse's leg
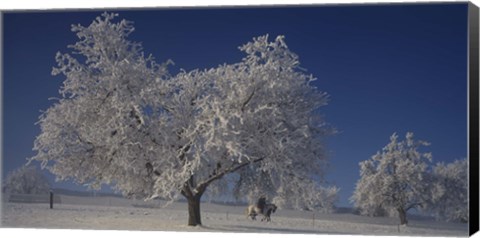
[252,214]
[250,211]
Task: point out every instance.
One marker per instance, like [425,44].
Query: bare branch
[248,100]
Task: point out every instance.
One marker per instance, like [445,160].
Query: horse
[252,211]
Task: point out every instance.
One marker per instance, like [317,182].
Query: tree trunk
[402,214]
[194,218]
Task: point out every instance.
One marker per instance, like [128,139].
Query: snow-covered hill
[114,213]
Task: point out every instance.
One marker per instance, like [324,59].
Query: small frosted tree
[26,180]
[395,179]
[450,200]
[123,120]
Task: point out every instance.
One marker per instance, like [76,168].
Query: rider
[261,203]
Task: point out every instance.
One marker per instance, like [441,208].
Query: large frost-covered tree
[26,180]
[450,199]
[396,179]
[123,120]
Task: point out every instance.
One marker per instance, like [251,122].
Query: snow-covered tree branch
[450,199]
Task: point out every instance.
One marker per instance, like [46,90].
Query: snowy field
[114,213]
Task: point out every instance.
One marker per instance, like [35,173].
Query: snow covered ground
[114,213]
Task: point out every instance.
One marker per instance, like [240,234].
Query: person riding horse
[253,210]
[261,207]
[261,203]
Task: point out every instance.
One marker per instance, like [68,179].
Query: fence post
[51,199]
[313,222]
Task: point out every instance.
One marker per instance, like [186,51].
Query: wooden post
[313,220]
[51,199]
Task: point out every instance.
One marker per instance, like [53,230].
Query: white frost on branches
[314,198]
[123,120]
[394,180]
[98,132]
[26,180]
[450,200]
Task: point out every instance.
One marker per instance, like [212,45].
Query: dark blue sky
[387,68]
